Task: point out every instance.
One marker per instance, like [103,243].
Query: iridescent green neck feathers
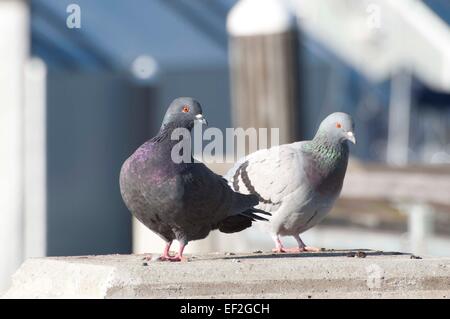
[327,150]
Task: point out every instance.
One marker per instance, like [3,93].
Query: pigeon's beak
[351,137]
[201,119]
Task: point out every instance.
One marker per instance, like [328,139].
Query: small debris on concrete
[309,296]
[154,257]
[235,260]
[229,254]
[151,257]
[358,254]
[415,257]
[361,254]
[324,249]
[258,252]
[144,264]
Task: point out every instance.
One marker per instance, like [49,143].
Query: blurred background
[84,83]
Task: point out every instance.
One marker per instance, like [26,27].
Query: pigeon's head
[339,127]
[183,112]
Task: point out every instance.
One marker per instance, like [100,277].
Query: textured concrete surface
[328,274]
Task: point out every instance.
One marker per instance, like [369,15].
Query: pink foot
[312,249]
[301,249]
[165,258]
[278,245]
[166,255]
[178,259]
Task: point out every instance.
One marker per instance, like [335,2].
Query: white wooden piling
[14,48]
[35,159]
[263,65]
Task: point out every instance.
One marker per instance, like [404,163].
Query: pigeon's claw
[166,254]
[179,256]
[164,258]
[278,245]
[178,259]
[302,247]
[312,249]
[296,250]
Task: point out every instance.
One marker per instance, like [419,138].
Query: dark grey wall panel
[94,123]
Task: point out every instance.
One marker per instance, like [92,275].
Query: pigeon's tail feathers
[243,213]
[237,223]
[242,202]
[234,224]
[252,213]
[244,205]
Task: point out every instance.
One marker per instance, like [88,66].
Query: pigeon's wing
[270,174]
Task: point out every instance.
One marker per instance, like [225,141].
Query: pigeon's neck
[166,131]
[329,153]
[166,141]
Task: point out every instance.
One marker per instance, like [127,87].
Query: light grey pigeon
[182,201]
[297,183]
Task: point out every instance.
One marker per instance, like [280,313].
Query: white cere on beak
[201,119]
[351,137]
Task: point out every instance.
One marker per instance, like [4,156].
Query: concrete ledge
[328,274]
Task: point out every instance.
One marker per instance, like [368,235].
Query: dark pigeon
[182,201]
[297,183]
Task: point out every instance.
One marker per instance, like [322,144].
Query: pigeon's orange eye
[185,109]
[338,125]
